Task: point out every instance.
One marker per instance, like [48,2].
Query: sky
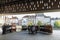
[51,14]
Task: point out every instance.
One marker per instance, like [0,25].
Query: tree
[39,23]
[57,23]
[30,23]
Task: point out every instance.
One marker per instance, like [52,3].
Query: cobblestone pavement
[23,35]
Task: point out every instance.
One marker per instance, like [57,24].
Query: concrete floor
[23,35]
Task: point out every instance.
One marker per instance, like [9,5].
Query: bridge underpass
[23,35]
[15,7]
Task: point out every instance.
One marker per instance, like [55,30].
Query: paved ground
[23,35]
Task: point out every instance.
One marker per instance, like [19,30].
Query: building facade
[35,18]
[53,20]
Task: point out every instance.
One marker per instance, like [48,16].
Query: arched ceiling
[20,6]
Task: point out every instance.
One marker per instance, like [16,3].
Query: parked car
[43,29]
[13,27]
[46,29]
[24,27]
[32,29]
[8,28]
